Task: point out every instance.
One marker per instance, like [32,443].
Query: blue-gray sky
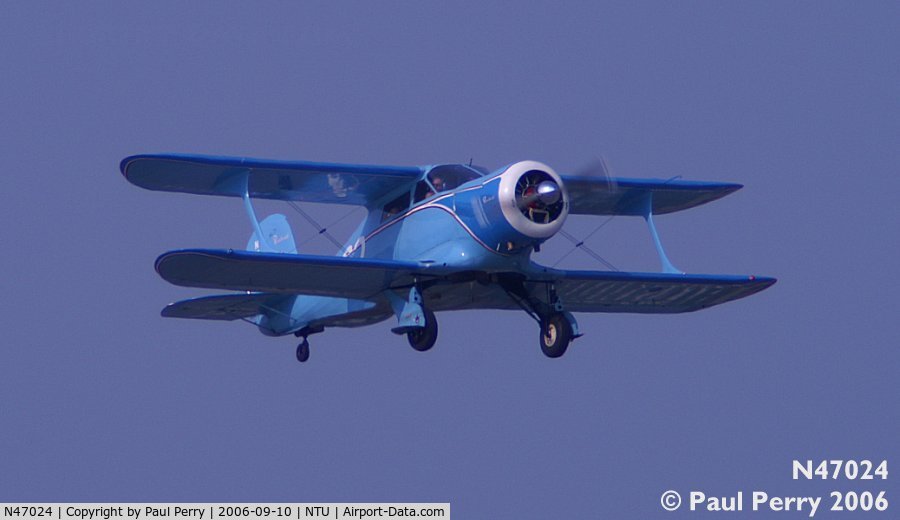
[103,400]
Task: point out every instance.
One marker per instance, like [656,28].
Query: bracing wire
[580,244]
[321,229]
[595,169]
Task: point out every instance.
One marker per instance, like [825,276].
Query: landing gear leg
[414,319]
[558,327]
[556,333]
[303,351]
[303,347]
[423,338]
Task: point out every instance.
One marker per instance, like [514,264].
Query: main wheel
[303,351]
[423,338]
[556,333]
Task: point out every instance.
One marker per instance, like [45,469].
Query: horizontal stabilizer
[603,196]
[227,307]
[268,179]
[357,278]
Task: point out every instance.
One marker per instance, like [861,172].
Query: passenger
[390,212]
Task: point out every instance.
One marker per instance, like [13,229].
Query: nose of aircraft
[533,199]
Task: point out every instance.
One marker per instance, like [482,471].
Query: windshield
[450,176]
[444,178]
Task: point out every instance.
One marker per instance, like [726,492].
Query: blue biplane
[435,238]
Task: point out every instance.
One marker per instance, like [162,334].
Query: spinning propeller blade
[598,168]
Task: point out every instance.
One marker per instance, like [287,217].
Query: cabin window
[395,207]
[423,191]
[450,176]
[444,178]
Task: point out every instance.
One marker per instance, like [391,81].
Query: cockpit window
[395,207]
[423,191]
[444,178]
[450,176]
[480,169]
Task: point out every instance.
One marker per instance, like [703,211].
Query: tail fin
[277,236]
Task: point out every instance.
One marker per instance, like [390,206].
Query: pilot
[438,183]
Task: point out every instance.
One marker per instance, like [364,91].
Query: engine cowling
[533,199]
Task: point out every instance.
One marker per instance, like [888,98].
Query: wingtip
[764,281]
[166,311]
[123,165]
[159,260]
[129,160]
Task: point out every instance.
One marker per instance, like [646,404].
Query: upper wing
[280,180]
[357,278]
[601,196]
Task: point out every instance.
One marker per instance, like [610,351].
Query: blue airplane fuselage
[462,229]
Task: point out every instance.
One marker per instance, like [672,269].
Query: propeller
[598,168]
[538,196]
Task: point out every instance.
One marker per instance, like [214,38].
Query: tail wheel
[423,338]
[303,351]
[556,333]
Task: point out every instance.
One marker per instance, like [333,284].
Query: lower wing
[367,279]
[604,291]
[357,278]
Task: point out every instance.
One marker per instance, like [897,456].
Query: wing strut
[647,213]
[238,181]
